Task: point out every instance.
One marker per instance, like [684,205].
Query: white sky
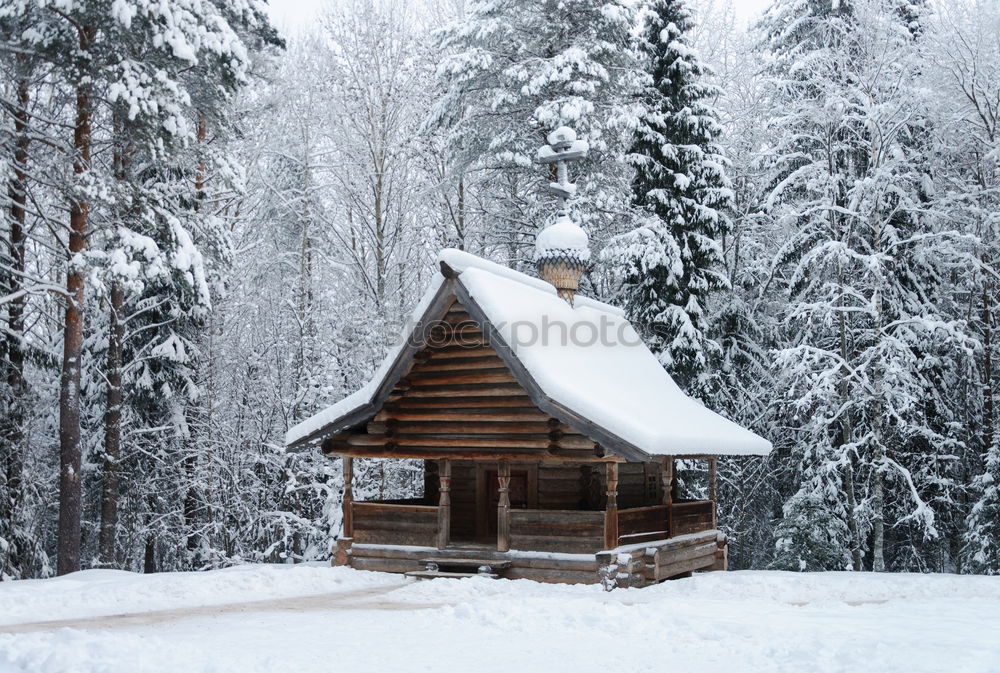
[293,15]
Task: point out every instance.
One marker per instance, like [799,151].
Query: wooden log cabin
[549,436]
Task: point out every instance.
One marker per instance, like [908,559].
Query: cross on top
[563,147]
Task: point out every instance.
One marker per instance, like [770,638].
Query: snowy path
[362,599]
[260,618]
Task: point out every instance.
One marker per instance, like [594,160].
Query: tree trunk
[191,459]
[112,429]
[13,426]
[845,438]
[70,452]
[149,556]
[989,395]
[878,455]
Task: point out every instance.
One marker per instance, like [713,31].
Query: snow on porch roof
[586,360]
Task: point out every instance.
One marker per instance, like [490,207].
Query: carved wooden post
[503,506]
[712,472]
[667,475]
[444,502]
[611,509]
[348,496]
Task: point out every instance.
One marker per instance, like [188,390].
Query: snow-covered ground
[315,618]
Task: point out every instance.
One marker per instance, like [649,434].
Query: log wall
[380,523]
[626,566]
[568,531]
[642,524]
[459,400]
[691,516]
[565,569]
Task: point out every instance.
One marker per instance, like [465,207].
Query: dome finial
[562,249]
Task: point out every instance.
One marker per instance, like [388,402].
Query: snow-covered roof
[586,360]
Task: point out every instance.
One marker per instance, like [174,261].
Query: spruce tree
[673,261]
[983,537]
[870,336]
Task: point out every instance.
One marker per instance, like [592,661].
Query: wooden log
[458,318]
[454,452]
[691,540]
[463,377]
[550,543]
[460,414]
[424,528]
[444,503]
[451,439]
[465,402]
[543,563]
[410,553]
[348,518]
[568,529]
[712,478]
[386,565]
[342,554]
[611,509]
[379,508]
[460,364]
[438,353]
[675,569]
[456,391]
[466,428]
[465,440]
[465,336]
[671,556]
[557,576]
[558,516]
[395,537]
[503,506]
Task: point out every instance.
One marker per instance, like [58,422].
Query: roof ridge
[461,260]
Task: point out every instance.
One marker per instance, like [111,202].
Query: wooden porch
[628,546]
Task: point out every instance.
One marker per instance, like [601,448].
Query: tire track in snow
[360,599]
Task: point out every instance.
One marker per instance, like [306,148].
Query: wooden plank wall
[377,523]
[642,524]
[567,531]
[691,517]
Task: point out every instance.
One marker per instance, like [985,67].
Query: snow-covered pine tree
[672,262]
[963,72]
[516,70]
[184,193]
[859,376]
[131,69]
[982,543]
[22,551]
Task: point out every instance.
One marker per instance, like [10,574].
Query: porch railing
[394,523]
[658,522]
[559,530]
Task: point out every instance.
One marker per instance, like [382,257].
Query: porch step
[431,574]
[466,565]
